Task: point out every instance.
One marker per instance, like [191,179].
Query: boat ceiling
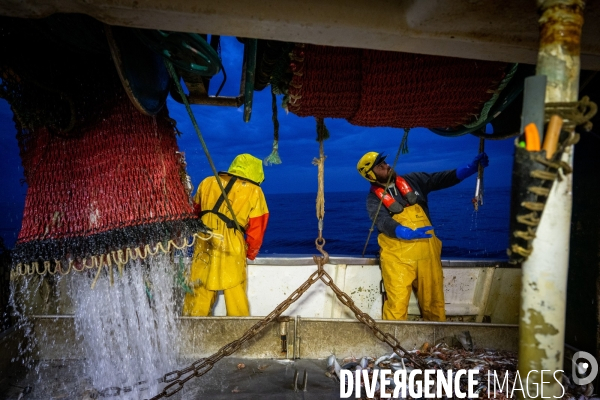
[475,29]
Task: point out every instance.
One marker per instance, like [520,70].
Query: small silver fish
[465,340]
[397,366]
[333,366]
[351,365]
[381,359]
[364,362]
[330,366]
[431,360]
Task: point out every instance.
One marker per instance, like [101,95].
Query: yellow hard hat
[367,162]
[248,167]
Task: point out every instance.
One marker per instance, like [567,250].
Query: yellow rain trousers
[220,264]
[408,264]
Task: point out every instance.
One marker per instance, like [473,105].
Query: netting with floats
[383,88]
[118,185]
[102,177]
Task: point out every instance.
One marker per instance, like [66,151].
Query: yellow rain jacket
[220,264]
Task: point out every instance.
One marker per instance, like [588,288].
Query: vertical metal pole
[250,53]
[478,199]
[543,295]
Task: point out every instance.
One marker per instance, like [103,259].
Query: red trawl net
[117,184]
[102,176]
[383,88]
[114,182]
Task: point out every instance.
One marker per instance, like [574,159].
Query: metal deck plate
[259,379]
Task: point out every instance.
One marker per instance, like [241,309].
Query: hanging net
[383,88]
[102,177]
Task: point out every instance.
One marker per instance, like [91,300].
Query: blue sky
[226,135]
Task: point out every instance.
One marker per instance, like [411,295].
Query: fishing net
[102,177]
[326,81]
[383,88]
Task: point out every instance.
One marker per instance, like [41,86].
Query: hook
[320,261]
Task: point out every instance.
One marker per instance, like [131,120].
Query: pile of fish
[497,372]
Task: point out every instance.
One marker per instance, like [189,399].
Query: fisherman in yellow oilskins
[410,253]
[220,264]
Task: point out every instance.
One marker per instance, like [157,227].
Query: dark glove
[469,169]
[405,233]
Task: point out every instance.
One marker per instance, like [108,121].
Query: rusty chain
[369,321]
[203,365]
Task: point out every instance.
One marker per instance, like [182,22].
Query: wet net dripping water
[127,331]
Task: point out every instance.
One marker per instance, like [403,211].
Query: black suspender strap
[226,191]
[230,223]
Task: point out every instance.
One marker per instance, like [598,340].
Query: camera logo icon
[584,371]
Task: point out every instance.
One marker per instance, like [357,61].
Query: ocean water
[293,225]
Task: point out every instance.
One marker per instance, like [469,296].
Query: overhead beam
[486,30]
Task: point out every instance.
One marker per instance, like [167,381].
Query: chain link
[368,321]
[176,375]
[110,392]
[167,392]
[202,366]
[115,391]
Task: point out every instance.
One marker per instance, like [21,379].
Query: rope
[402,148]
[573,113]
[322,134]
[488,105]
[175,78]
[273,158]
[322,131]
[577,113]
[119,257]
[404,143]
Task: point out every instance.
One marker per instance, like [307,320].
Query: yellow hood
[249,167]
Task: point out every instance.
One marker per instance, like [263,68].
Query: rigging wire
[402,148]
[173,74]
